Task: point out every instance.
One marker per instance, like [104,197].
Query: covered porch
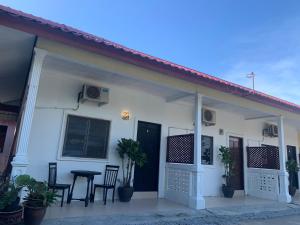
[263,171]
[15,59]
[54,84]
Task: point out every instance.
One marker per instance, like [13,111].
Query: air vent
[270,130]
[96,94]
[93,92]
[208,117]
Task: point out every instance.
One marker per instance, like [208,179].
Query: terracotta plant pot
[33,215]
[12,217]
[125,193]
[228,191]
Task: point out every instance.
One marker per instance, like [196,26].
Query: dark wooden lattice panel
[263,157]
[180,149]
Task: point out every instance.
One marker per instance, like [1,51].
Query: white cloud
[274,56]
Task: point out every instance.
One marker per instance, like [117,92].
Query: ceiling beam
[261,117]
[177,97]
[9,108]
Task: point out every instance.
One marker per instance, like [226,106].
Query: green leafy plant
[9,196]
[131,154]
[292,168]
[38,194]
[226,158]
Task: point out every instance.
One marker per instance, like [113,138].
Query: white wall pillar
[284,195]
[196,199]
[20,161]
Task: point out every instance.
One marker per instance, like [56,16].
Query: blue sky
[225,38]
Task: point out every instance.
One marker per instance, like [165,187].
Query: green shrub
[130,154]
[226,158]
[38,194]
[292,168]
[9,196]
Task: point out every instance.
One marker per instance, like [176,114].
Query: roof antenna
[252,75]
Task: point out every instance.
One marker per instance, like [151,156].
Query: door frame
[162,153]
[8,147]
[232,134]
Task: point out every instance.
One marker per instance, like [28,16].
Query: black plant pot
[34,215]
[292,190]
[228,191]
[125,193]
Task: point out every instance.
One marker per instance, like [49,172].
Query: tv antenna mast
[252,76]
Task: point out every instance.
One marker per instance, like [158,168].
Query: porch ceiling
[15,55]
[89,72]
[168,93]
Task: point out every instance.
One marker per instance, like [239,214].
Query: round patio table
[89,175]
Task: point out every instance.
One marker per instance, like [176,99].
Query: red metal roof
[76,38]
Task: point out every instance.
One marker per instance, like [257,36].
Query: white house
[163,100]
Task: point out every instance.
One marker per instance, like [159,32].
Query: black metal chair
[52,185]
[110,179]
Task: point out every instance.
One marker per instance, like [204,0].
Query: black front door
[146,177]
[292,154]
[236,147]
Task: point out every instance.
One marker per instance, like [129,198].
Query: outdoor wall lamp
[125,115]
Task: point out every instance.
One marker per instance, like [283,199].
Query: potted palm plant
[131,155]
[10,209]
[227,160]
[37,199]
[292,168]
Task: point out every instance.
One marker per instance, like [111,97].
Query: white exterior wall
[58,92]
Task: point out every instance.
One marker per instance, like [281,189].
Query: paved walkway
[284,220]
[234,215]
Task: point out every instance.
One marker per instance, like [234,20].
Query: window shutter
[86,137]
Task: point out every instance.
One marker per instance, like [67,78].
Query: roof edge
[79,39]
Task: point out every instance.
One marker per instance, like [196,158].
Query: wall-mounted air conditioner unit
[208,117]
[270,130]
[96,94]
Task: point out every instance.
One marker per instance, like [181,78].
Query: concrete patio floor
[135,206]
[162,212]
[216,202]
[145,206]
